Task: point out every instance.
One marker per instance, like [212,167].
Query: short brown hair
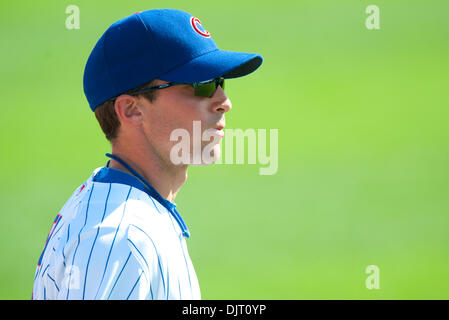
[107,117]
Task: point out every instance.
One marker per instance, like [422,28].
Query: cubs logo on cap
[198,27]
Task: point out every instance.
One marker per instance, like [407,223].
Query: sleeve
[135,270]
[146,255]
[125,280]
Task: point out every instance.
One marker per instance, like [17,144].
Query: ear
[127,109]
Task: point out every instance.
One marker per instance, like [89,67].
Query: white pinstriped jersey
[113,240]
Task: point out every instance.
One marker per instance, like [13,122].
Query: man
[120,235]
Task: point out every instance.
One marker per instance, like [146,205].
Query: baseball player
[120,235]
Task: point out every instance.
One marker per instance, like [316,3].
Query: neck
[164,176]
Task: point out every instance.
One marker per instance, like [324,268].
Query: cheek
[182,116]
[164,117]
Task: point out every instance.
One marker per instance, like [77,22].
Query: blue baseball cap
[165,44]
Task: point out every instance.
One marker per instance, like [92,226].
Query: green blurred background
[362,115]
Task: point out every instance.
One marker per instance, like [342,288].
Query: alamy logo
[372,22]
[203,147]
[373,280]
[73,20]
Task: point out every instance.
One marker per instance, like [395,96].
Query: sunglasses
[202,89]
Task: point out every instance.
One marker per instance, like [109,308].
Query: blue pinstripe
[79,235]
[134,285]
[158,257]
[154,203]
[113,241]
[168,286]
[140,253]
[185,259]
[38,272]
[118,277]
[60,227]
[43,272]
[148,267]
[95,240]
[63,255]
[57,288]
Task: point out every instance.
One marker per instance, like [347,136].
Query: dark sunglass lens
[208,89]
[205,89]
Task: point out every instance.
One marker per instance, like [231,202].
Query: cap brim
[218,63]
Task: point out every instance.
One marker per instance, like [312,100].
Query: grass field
[363,174]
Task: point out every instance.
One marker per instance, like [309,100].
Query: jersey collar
[111,175]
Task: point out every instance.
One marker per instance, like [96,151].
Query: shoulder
[117,212]
[113,198]
[106,210]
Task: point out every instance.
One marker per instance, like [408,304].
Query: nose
[221,101]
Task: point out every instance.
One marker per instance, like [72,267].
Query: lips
[218,129]
[220,125]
